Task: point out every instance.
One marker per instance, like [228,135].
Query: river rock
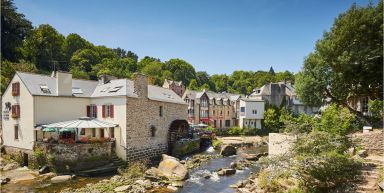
[43,170]
[172,188]
[178,184]
[4,180]
[251,156]
[122,188]
[226,171]
[362,153]
[60,179]
[228,150]
[10,166]
[171,168]
[145,183]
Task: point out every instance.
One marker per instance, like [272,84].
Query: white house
[143,114]
[251,113]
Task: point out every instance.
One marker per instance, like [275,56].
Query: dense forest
[42,48]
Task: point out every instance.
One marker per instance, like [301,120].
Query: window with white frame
[254,111]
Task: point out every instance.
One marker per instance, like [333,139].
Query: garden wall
[77,157]
[279,144]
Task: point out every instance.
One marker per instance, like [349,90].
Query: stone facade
[280,144]
[148,123]
[177,86]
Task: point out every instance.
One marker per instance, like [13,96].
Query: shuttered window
[16,132]
[15,111]
[108,111]
[92,111]
[16,89]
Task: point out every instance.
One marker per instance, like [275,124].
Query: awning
[83,122]
[50,129]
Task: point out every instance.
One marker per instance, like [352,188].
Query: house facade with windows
[219,110]
[282,94]
[251,113]
[142,113]
[177,86]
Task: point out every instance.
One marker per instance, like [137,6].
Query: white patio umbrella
[83,122]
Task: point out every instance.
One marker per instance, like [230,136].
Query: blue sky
[217,36]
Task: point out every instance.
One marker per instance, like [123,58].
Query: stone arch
[178,129]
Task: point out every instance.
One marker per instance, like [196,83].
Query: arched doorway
[178,129]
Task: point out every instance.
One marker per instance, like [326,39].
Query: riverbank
[243,141]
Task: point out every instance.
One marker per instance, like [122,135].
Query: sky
[216,36]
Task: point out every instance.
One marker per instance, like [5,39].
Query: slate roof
[90,88]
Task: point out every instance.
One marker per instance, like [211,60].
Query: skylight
[45,89]
[115,89]
[105,89]
[76,90]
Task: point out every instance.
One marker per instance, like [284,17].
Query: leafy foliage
[336,120]
[271,119]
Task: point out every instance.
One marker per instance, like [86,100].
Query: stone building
[144,117]
[282,94]
[219,110]
[177,86]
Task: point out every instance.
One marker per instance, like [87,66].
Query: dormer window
[45,89]
[115,89]
[16,89]
[76,90]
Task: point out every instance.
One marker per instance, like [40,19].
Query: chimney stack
[140,82]
[63,83]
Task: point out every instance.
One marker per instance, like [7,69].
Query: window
[242,109]
[16,89]
[108,111]
[15,111]
[112,132]
[221,112]
[93,132]
[16,132]
[213,112]
[82,131]
[45,89]
[221,125]
[364,107]
[227,112]
[254,111]
[115,89]
[92,111]
[214,123]
[101,133]
[204,102]
[227,123]
[153,131]
[76,90]
[161,111]
[204,113]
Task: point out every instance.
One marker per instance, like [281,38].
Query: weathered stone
[10,166]
[171,168]
[228,150]
[44,170]
[172,188]
[122,188]
[251,157]
[60,179]
[381,186]
[233,165]
[4,180]
[226,171]
[362,153]
[116,178]
[178,184]
[145,183]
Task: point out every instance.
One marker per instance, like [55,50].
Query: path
[370,174]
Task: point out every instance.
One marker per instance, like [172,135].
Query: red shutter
[18,111]
[13,110]
[88,111]
[18,88]
[111,111]
[103,111]
[95,111]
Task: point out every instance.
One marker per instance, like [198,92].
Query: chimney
[140,82]
[104,79]
[63,83]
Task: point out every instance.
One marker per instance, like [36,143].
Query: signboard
[6,110]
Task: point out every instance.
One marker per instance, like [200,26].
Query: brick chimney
[140,82]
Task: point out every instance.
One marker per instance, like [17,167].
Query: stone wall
[373,141]
[185,147]
[143,116]
[280,144]
[77,157]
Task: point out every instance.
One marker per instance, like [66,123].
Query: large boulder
[44,170]
[10,166]
[60,179]
[228,150]
[4,180]
[171,168]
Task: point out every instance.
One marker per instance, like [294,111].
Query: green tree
[85,59]
[154,69]
[145,61]
[336,120]
[202,77]
[220,81]
[105,52]
[193,85]
[8,70]
[271,120]
[271,71]
[347,61]
[182,70]
[78,73]
[14,28]
[44,47]
[74,42]
[204,86]
[118,67]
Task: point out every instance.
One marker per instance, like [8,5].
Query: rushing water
[198,183]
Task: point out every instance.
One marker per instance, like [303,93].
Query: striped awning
[83,122]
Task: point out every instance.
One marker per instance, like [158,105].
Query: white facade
[251,113]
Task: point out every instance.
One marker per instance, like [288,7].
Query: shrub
[235,131]
[39,158]
[216,143]
[336,120]
[135,169]
[271,120]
